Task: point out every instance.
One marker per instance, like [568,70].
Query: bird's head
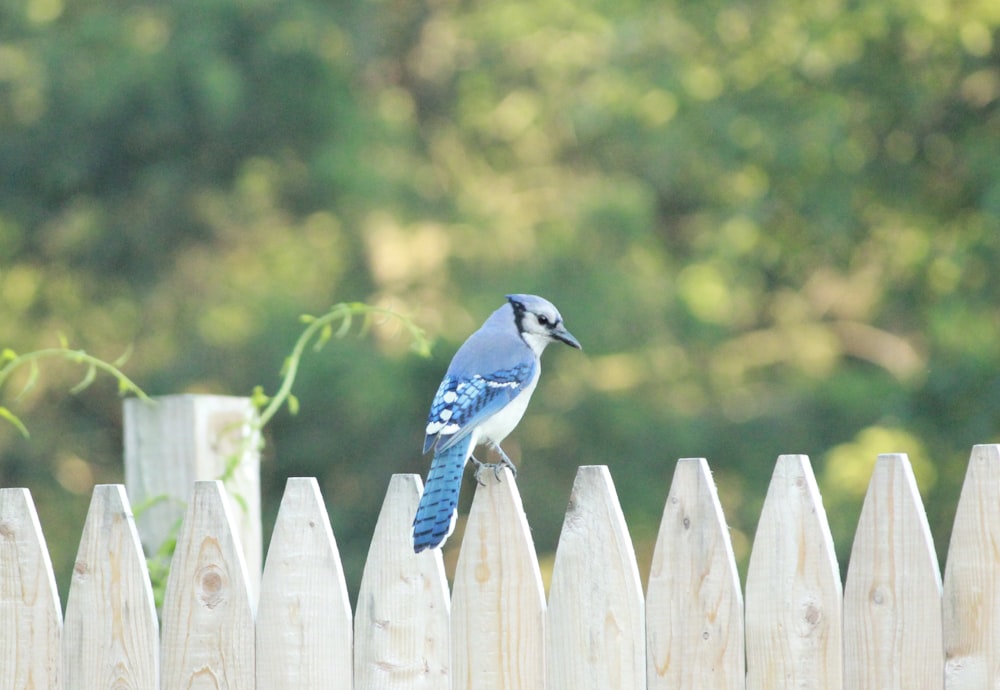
[539,322]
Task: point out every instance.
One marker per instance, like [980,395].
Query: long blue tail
[435,517]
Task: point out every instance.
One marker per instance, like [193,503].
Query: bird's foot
[504,462]
[497,467]
[479,469]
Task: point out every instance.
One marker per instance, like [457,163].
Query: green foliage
[772,224]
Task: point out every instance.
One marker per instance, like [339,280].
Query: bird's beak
[565,336]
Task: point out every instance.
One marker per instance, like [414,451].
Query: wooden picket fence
[894,625]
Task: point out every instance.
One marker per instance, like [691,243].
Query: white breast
[496,428]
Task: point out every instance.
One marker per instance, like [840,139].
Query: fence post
[182,439]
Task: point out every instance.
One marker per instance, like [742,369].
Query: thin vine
[11,361]
[318,332]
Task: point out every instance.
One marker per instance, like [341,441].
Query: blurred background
[774,225]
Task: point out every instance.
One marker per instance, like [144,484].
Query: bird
[482,397]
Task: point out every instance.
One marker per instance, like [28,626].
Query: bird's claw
[504,462]
[497,467]
[479,470]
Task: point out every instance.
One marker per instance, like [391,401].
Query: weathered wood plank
[402,626]
[187,438]
[498,602]
[111,638]
[30,615]
[972,579]
[694,607]
[208,627]
[304,632]
[892,598]
[794,599]
[596,626]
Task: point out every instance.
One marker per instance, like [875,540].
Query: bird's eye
[543,320]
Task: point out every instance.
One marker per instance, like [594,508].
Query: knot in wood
[812,614]
[211,585]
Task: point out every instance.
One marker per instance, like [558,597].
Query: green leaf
[307,318]
[366,324]
[258,398]
[87,379]
[168,547]
[324,337]
[32,379]
[149,503]
[422,347]
[345,325]
[7,355]
[17,423]
[124,357]
[293,404]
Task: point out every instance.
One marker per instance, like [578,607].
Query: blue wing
[462,402]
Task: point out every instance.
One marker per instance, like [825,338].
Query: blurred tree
[771,224]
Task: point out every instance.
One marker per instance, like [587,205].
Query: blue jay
[481,399]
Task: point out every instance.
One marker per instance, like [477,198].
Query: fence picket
[596,616]
[972,578]
[793,593]
[111,635]
[304,615]
[892,598]
[498,602]
[208,629]
[402,625]
[694,607]
[30,615]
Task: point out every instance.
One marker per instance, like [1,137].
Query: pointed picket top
[892,598]
[498,602]
[794,599]
[30,614]
[596,616]
[208,628]
[304,615]
[694,607]
[972,578]
[111,635]
[401,629]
